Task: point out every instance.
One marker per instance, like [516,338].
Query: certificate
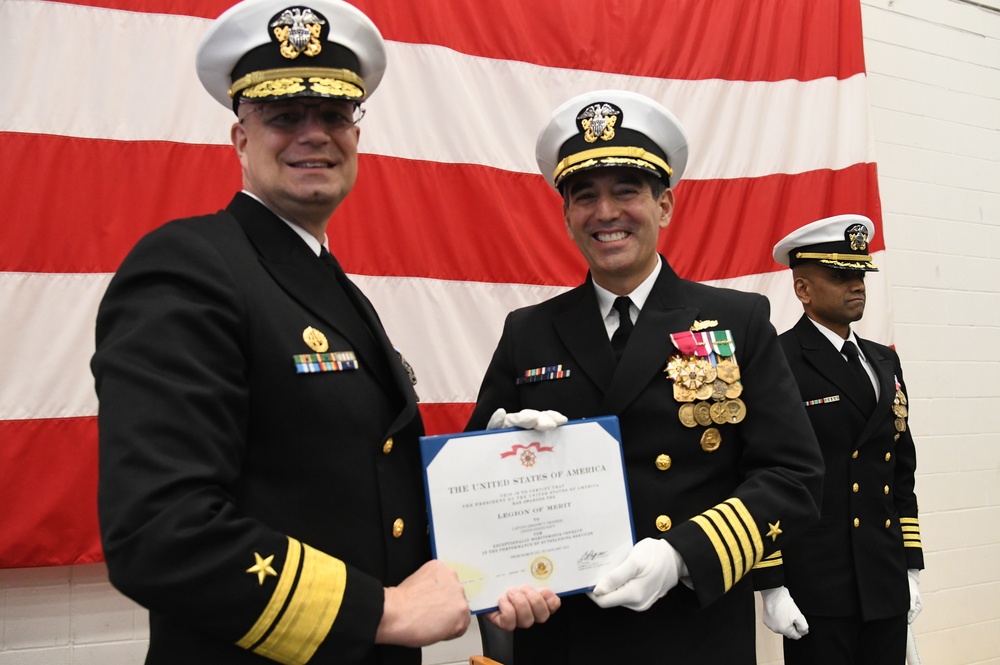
[512,507]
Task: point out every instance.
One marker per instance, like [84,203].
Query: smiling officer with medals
[722,466]
[847,590]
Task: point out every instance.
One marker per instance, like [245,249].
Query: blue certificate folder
[511,507]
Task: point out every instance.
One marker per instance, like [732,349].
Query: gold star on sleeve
[774,531]
[262,568]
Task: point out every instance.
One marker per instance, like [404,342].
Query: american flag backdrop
[105,133]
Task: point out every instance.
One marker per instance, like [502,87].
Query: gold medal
[719,390]
[899,410]
[702,414]
[900,397]
[728,371]
[682,394]
[734,390]
[315,340]
[710,373]
[705,392]
[735,410]
[900,425]
[718,413]
[686,415]
[711,440]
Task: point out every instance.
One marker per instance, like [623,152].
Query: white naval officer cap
[838,242]
[268,50]
[612,128]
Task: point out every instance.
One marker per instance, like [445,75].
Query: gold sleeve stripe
[909,520]
[911,529]
[727,525]
[912,543]
[311,611]
[735,554]
[750,525]
[750,554]
[281,590]
[770,561]
[713,537]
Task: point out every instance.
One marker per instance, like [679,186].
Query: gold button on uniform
[886,489]
[397,528]
[896,438]
[663,462]
[855,488]
[888,523]
[888,456]
[663,523]
[387,446]
[857,522]
[854,455]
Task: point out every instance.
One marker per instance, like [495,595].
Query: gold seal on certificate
[513,507]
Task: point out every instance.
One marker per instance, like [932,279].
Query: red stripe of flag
[495,226]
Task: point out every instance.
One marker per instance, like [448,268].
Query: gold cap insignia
[297,30]
[315,339]
[598,121]
[857,235]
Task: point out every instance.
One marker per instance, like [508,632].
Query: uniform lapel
[882,367]
[827,360]
[666,311]
[582,330]
[313,284]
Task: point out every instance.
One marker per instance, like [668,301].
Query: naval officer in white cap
[844,593]
[260,481]
[721,463]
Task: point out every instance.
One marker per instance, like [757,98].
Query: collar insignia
[598,121]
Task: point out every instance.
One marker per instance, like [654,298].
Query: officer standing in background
[260,486]
[721,463]
[844,593]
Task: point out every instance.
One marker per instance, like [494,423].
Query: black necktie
[862,380]
[620,338]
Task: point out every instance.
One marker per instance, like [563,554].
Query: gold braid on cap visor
[611,156]
[837,259]
[289,80]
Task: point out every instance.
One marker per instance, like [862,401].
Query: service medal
[711,440]
[728,371]
[686,415]
[702,413]
[900,425]
[734,390]
[736,410]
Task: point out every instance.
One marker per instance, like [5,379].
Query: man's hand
[427,607]
[542,421]
[782,615]
[651,569]
[524,607]
[913,580]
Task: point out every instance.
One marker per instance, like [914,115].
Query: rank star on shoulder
[262,568]
[774,530]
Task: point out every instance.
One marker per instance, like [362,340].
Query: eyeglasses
[292,116]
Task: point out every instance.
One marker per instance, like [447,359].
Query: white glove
[913,579]
[542,421]
[651,569]
[782,615]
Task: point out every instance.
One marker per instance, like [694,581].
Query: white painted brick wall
[934,86]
